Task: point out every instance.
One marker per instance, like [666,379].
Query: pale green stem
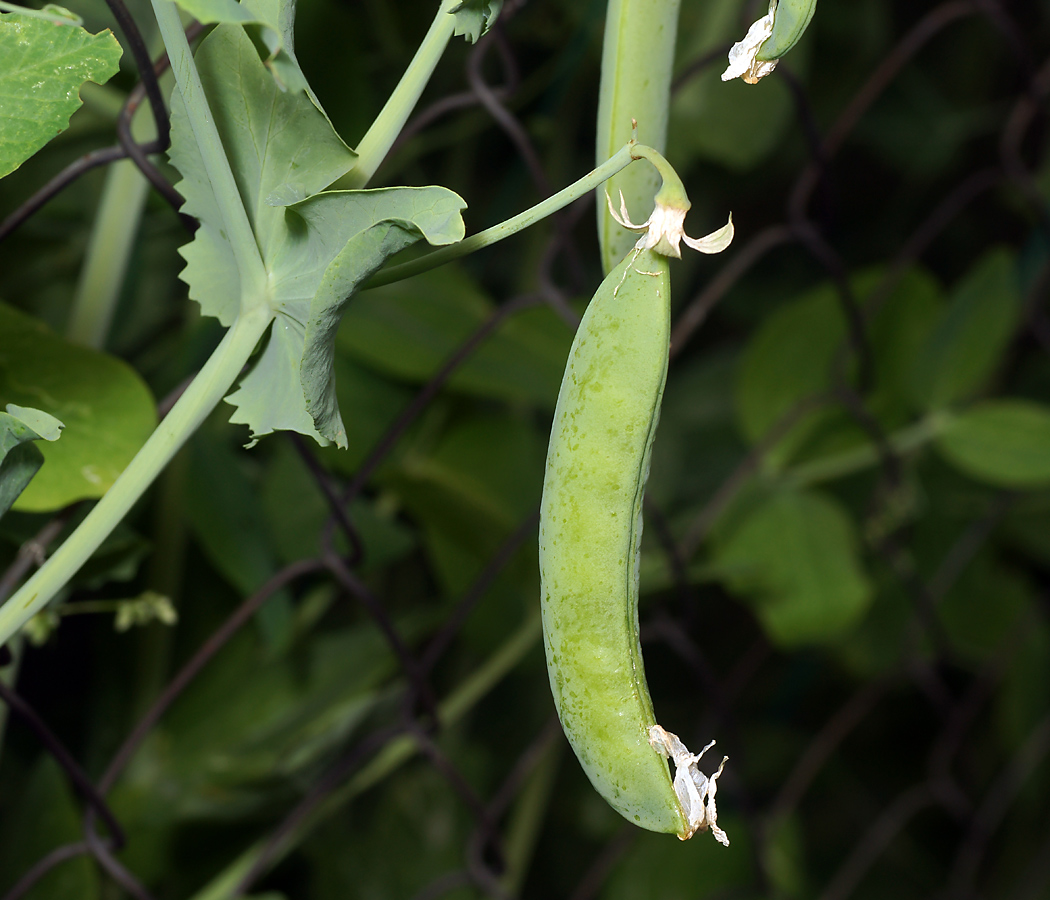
[902,442]
[638,53]
[376,143]
[109,250]
[199,399]
[398,751]
[526,820]
[623,158]
[234,217]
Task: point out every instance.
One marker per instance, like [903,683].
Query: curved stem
[623,158]
[220,175]
[380,137]
[199,399]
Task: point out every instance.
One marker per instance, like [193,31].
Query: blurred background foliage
[847,558]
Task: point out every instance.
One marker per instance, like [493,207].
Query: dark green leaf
[19,459]
[794,559]
[966,348]
[410,328]
[1001,442]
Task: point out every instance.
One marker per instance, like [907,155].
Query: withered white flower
[665,230]
[742,57]
[696,792]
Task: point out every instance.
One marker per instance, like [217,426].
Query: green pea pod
[591,528]
[790,20]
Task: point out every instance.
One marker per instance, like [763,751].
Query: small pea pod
[590,533]
[768,39]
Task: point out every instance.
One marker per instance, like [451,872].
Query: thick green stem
[376,143]
[199,399]
[109,250]
[234,217]
[623,158]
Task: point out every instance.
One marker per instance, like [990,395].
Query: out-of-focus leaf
[19,459]
[42,66]
[106,407]
[732,124]
[654,868]
[470,491]
[45,816]
[1001,442]
[410,328]
[226,513]
[794,559]
[965,348]
[788,361]
[985,606]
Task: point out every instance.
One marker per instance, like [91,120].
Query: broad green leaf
[1001,442]
[317,247]
[470,491]
[965,349]
[795,560]
[787,361]
[475,17]
[107,410]
[277,143]
[42,66]
[273,19]
[19,459]
[224,509]
[410,329]
[794,356]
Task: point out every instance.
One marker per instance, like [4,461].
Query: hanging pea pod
[769,39]
[591,526]
[791,18]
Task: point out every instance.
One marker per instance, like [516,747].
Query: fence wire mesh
[897,784]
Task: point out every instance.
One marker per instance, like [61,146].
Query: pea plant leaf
[967,345]
[20,460]
[1004,442]
[317,247]
[795,560]
[475,17]
[271,20]
[42,66]
[107,409]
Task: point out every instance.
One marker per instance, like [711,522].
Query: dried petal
[742,57]
[695,791]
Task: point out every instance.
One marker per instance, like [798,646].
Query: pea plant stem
[634,93]
[235,218]
[199,399]
[109,250]
[380,137]
[620,160]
